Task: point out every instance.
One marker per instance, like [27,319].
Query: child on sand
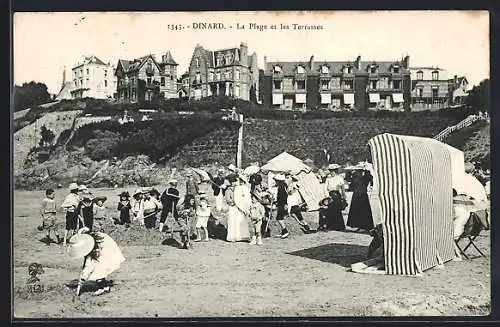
[100,211]
[86,209]
[203,213]
[70,204]
[124,207]
[138,206]
[48,213]
[101,254]
[257,213]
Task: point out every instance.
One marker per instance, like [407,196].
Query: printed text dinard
[244,26]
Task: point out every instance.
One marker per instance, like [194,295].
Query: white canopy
[310,188]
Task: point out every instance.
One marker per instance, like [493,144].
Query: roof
[131,65]
[168,59]
[65,92]
[288,67]
[426,68]
[384,66]
[91,60]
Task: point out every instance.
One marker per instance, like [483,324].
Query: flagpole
[240,143]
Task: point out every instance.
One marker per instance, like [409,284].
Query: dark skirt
[360,212]
[71,221]
[333,215]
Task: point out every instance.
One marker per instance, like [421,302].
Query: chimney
[358,62]
[455,79]
[311,62]
[265,61]
[406,62]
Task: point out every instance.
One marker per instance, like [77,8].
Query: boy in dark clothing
[124,207]
[169,200]
[86,210]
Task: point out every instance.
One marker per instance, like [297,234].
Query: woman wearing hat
[70,204]
[169,199]
[360,212]
[238,201]
[334,181]
[101,257]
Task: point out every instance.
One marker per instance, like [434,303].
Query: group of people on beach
[243,197]
[248,203]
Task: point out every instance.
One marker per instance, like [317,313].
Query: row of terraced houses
[287,85]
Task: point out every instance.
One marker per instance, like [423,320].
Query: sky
[45,43]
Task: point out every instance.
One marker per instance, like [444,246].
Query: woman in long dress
[360,212]
[238,199]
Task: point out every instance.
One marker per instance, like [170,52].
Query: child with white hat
[70,204]
[101,254]
[138,206]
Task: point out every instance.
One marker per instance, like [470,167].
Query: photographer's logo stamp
[34,284]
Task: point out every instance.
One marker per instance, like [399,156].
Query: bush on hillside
[158,139]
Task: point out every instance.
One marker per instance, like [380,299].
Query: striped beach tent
[415,189]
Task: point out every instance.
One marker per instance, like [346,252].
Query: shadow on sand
[341,254]
[88,286]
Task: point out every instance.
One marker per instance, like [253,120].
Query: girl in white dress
[202,213]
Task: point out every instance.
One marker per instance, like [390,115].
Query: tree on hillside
[479,96]
[47,137]
[30,94]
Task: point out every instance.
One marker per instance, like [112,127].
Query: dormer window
[420,75]
[373,69]
[435,75]
[395,69]
[325,69]
[277,69]
[347,70]
[300,70]
[220,59]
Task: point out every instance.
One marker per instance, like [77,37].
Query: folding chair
[476,223]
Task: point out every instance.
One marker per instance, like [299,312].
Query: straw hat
[100,198]
[279,177]
[138,191]
[124,194]
[73,186]
[87,196]
[80,245]
[333,166]
[82,188]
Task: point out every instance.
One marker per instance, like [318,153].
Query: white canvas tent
[462,182]
[310,188]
